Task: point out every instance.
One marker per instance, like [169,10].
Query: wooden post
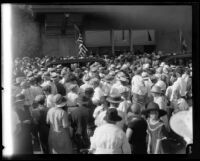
[131,40]
[112,42]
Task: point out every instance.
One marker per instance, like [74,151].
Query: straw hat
[59,100]
[114,98]
[156,89]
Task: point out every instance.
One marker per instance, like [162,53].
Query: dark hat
[112,115]
[156,89]
[82,100]
[89,90]
[152,106]
[114,98]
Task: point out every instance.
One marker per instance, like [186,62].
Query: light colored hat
[123,79]
[54,75]
[162,85]
[156,89]
[162,64]
[114,98]
[59,100]
[124,67]
[146,66]
[144,75]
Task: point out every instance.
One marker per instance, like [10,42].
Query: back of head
[135,108]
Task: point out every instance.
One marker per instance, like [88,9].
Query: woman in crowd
[59,134]
[156,128]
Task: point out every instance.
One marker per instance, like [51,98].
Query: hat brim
[160,111]
[114,101]
[157,92]
[18,101]
[116,119]
[62,104]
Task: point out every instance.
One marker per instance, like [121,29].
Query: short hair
[47,88]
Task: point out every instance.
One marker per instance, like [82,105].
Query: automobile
[179,59]
[80,61]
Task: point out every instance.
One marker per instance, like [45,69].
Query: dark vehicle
[81,62]
[180,59]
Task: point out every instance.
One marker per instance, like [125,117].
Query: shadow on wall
[26,36]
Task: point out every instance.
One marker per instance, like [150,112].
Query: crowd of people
[122,107]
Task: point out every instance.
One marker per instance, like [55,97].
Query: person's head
[25,84]
[73,88]
[94,82]
[153,111]
[60,101]
[135,109]
[103,101]
[54,77]
[179,72]
[19,101]
[156,91]
[40,99]
[89,92]
[47,89]
[154,115]
[112,116]
[114,100]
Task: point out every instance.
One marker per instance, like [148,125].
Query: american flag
[82,48]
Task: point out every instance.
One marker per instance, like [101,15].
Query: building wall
[169,41]
[59,46]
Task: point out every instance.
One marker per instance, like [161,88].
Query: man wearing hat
[79,122]
[59,134]
[109,138]
[39,115]
[114,99]
[98,92]
[179,85]
[86,80]
[22,139]
[156,128]
[121,84]
[72,96]
[59,87]
[107,84]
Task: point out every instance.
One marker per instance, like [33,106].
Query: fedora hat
[114,98]
[123,79]
[152,106]
[59,100]
[83,100]
[108,78]
[156,89]
[112,115]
